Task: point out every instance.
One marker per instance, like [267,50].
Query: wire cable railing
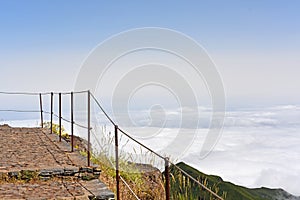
[25,93]
[66,120]
[128,186]
[139,143]
[99,105]
[88,128]
[20,111]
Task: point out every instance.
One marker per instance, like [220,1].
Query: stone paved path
[37,151]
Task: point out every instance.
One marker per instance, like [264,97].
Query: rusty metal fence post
[72,124]
[59,105]
[89,126]
[117,162]
[41,109]
[51,112]
[167,177]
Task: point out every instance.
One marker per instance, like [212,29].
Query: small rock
[70,172]
[57,172]
[13,174]
[86,169]
[46,173]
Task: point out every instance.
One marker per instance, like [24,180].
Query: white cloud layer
[259,147]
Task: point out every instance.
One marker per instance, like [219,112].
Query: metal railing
[118,132]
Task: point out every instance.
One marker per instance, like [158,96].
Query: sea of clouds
[258,146]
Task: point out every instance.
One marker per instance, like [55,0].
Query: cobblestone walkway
[37,151]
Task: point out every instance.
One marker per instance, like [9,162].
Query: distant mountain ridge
[236,192]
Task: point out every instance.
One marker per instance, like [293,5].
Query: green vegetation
[145,186]
[55,129]
[231,191]
[183,188]
[23,176]
[28,175]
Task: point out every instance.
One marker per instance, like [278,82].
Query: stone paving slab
[31,148]
[98,189]
[36,150]
[57,189]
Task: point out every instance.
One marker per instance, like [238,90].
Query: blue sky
[255,44]
[54,22]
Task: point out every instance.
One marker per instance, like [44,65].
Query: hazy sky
[255,44]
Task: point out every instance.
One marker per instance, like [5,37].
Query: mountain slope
[233,192]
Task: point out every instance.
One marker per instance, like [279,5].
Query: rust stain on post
[167,176]
[59,99]
[51,112]
[117,162]
[41,108]
[72,124]
[89,128]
